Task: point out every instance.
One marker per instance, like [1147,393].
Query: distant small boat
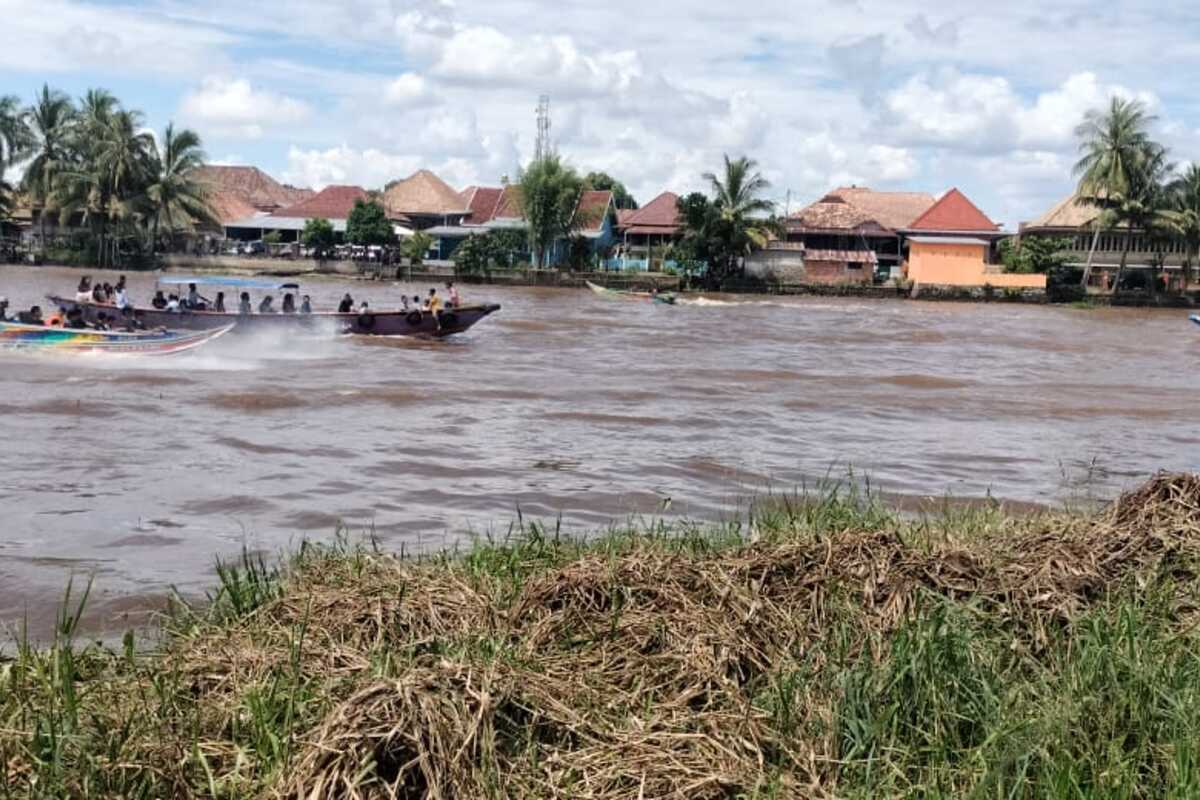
[666,298]
[51,339]
[1195,318]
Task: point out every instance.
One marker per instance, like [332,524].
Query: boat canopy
[219,280]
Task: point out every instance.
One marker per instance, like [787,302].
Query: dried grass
[635,669]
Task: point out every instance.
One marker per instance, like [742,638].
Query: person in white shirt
[173,303]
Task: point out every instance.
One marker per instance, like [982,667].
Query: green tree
[318,235]
[368,225]
[15,141]
[549,193]
[174,199]
[604,182]
[50,120]
[1113,144]
[1144,206]
[735,222]
[474,254]
[1185,218]
[416,247]
[1034,254]
[110,170]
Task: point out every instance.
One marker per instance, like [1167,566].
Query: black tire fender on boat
[366,321]
[448,319]
[414,318]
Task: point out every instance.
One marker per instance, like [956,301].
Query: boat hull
[39,338]
[643,297]
[379,323]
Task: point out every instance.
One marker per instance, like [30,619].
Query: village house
[1074,220]
[645,234]
[953,244]
[333,203]
[497,208]
[855,232]
[424,201]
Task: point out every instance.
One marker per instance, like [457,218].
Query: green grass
[824,645]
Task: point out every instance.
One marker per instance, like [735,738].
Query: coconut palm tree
[113,159]
[14,145]
[1112,144]
[1185,207]
[743,219]
[1143,204]
[173,198]
[49,119]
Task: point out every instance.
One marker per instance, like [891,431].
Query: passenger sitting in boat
[101,322]
[34,316]
[347,304]
[122,297]
[416,301]
[195,300]
[265,306]
[109,293]
[132,323]
[244,306]
[83,294]
[306,305]
[453,300]
[219,303]
[173,303]
[98,295]
[159,301]
[4,310]
[289,303]
[404,302]
[74,318]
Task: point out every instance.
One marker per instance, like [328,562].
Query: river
[565,404]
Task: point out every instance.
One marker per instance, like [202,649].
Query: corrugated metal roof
[948,240]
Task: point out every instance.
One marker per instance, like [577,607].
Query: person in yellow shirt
[434,303]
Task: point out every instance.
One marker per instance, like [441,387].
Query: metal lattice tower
[543,148]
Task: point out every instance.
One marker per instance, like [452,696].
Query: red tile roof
[230,207]
[953,212]
[594,206]
[483,202]
[661,214]
[509,205]
[332,202]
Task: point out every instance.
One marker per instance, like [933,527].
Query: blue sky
[895,95]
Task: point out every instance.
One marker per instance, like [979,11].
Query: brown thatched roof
[424,193]
[854,207]
[252,185]
[1070,212]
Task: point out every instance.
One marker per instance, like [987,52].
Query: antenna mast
[544,148]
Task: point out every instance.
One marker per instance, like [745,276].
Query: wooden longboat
[447,322]
[54,339]
[373,323]
[663,298]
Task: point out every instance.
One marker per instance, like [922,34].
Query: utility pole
[544,149]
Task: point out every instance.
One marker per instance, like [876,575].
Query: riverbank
[438,272]
[828,647]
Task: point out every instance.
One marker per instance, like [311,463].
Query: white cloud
[234,108]
[408,90]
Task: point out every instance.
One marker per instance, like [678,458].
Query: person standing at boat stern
[453,299]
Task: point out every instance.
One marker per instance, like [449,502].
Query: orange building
[951,244]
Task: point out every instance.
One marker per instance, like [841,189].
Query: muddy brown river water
[140,472]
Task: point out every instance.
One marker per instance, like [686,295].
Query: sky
[892,94]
